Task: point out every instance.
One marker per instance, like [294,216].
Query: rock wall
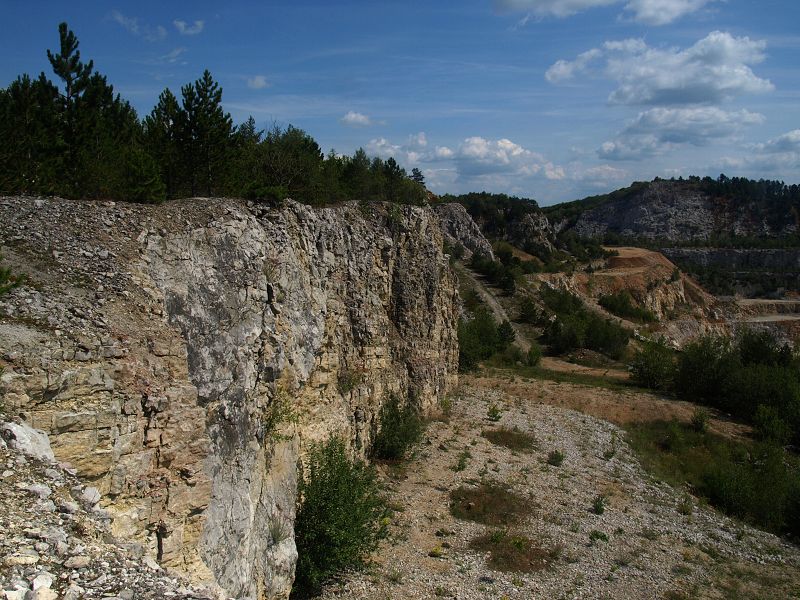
[181,357]
[678,211]
[459,228]
[740,259]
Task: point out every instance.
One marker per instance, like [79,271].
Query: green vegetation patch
[622,305]
[489,503]
[400,427]
[576,327]
[340,518]
[758,483]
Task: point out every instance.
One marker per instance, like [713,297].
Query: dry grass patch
[513,439]
[516,553]
[489,503]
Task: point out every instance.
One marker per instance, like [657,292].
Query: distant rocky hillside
[518,221]
[710,211]
[734,234]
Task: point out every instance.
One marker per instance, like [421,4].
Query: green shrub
[340,518]
[505,335]
[704,367]
[599,505]
[751,377]
[477,339]
[528,312]
[400,427]
[595,536]
[621,304]
[534,355]
[586,330]
[8,281]
[700,420]
[555,458]
[560,302]
[654,366]
[770,426]
[753,482]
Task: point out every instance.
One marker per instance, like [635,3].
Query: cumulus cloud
[355,119]
[136,27]
[257,82]
[652,12]
[662,12]
[384,148]
[418,140]
[714,69]
[185,28]
[443,152]
[778,157]
[479,160]
[786,143]
[657,130]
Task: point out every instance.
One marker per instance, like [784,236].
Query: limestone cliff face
[680,211]
[459,228]
[181,358]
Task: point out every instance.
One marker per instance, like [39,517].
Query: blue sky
[549,99]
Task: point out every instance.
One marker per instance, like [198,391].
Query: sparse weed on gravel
[512,553]
[599,505]
[511,438]
[555,458]
[463,457]
[595,536]
[488,503]
[494,413]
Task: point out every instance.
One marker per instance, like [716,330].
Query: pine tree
[106,129]
[68,66]
[206,135]
[75,75]
[417,176]
[162,138]
[29,136]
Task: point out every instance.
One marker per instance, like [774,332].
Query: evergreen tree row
[79,139]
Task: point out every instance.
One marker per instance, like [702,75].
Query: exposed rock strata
[676,211]
[180,357]
[459,229]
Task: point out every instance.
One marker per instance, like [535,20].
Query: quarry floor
[656,548]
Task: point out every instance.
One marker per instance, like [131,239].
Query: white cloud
[356,119]
[443,152]
[185,29]
[496,164]
[786,143]
[714,69]
[658,130]
[384,148]
[257,82]
[662,12]
[418,140]
[550,8]
[652,12]
[778,157]
[133,25]
[564,70]
[173,56]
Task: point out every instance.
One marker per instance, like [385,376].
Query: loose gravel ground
[661,542]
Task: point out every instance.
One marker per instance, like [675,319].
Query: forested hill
[76,138]
[724,212]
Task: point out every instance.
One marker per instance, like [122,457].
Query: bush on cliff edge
[340,518]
